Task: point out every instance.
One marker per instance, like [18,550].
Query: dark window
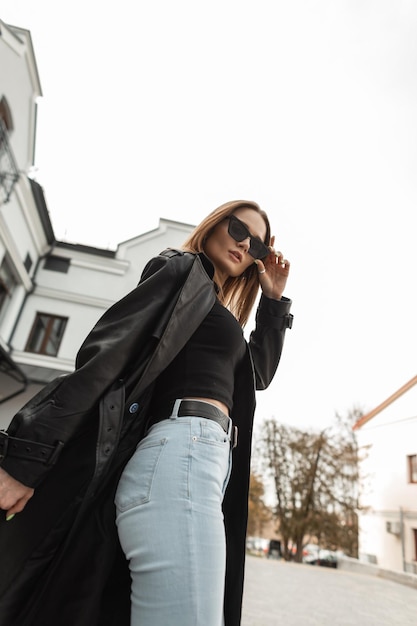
[5,114]
[412,468]
[7,282]
[28,263]
[57,264]
[9,172]
[46,334]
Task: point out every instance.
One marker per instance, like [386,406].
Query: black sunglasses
[239,231]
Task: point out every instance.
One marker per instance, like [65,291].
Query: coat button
[133,407]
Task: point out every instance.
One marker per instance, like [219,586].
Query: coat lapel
[195,300]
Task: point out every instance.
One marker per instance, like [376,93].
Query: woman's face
[230,257]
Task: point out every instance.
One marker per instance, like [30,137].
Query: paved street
[290,594]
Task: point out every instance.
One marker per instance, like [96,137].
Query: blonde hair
[239,293]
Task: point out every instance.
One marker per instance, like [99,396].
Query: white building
[25,231]
[388,442]
[51,292]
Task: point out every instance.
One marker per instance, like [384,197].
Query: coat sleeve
[113,346]
[273,317]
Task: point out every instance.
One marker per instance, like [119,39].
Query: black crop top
[205,367]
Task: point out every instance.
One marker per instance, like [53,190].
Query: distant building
[387,438]
[51,292]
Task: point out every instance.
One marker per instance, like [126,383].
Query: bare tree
[259,513]
[315,477]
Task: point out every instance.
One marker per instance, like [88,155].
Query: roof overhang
[368,416]
[12,379]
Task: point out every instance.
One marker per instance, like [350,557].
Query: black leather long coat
[61,562]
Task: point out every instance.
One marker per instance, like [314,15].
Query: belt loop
[55,453]
[176,408]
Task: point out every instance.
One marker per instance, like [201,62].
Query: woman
[168,367]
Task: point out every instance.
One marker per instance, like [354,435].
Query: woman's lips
[235,255]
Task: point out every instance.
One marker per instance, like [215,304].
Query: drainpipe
[402,539]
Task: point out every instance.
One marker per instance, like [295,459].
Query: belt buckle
[5,437]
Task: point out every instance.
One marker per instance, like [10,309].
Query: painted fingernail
[9,517]
[256,261]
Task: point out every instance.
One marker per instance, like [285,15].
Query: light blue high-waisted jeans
[170,522]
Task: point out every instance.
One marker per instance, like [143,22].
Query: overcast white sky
[168,109]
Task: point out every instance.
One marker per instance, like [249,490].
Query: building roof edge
[368,416]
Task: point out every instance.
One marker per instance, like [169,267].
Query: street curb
[353,565]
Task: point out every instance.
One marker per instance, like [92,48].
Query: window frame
[412,468]
[46,339]
[8,284]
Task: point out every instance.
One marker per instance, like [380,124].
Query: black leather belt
[197,408]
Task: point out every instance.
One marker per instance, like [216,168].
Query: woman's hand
[13,495]
[273,273]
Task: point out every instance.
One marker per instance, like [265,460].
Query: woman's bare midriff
[217,403]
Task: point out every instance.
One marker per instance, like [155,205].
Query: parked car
[310,552]
[274,549]
[324,558]
[257,545]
